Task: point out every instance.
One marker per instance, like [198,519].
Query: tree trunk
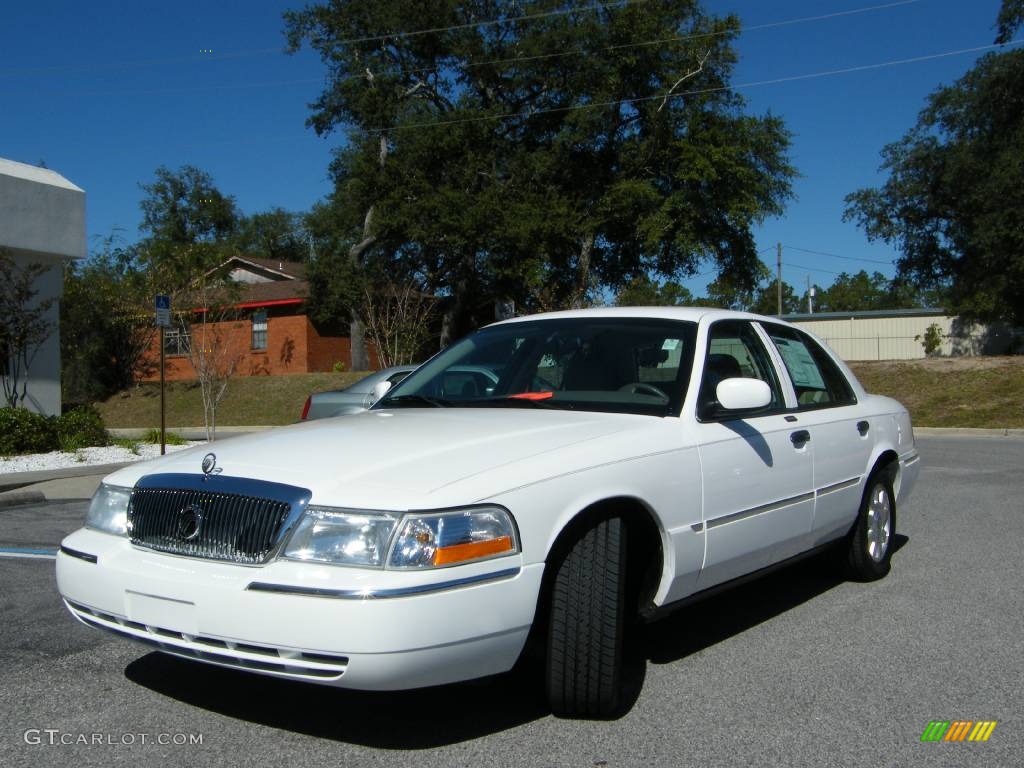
[357,341]
[579,293]
[450,319]
[357,330]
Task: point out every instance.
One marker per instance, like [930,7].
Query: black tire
[867,557]
[586,624]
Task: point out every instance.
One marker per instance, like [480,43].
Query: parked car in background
[353,399]
[546,483]
[460,381]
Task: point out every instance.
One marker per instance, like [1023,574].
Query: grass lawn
[952,392]
[249,401]
[940,392]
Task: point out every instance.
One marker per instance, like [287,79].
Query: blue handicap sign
[163,302]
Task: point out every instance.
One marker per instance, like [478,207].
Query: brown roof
[277,290]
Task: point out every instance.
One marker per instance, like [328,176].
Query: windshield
[594,364]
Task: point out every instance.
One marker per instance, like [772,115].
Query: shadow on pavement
[729,613]
[433,717]
[418,719]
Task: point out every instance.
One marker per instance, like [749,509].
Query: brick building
[272,334]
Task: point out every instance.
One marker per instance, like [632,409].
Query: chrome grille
[214,518]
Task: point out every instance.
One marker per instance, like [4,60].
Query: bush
[80,428]
[126,442]
[932,341]
[152,436]
[22,431]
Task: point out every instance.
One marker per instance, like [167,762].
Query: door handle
[863,427]
[800,437]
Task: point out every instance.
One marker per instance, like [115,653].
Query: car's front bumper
[357,628]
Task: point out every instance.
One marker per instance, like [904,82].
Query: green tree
[857,292]
[540,160]
[187,223]
[1011,16]
[766,299]
[734,291]
[106,321]
[274,234]
[642,291]
[954,199]
[24,325]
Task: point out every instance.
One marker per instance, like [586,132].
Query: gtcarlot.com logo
[53,737]
[958,730]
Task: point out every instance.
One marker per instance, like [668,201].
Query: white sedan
[626,461]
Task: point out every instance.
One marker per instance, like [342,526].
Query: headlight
[451,538]
[364,538]
[108,510]
[343,537]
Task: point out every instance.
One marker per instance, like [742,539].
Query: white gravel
[112,454]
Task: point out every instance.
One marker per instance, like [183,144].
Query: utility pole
[810,296]
[778,276]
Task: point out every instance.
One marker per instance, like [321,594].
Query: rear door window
[816,378]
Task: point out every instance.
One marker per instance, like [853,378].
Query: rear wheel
[587,622]
[869,548]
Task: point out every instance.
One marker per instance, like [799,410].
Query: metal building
[898,334]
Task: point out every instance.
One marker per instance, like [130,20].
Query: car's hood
[403,455]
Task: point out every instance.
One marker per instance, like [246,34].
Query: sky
[104,92]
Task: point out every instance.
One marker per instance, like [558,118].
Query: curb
[968,432]
[21,498]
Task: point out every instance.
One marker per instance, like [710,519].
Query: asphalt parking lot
[799,668]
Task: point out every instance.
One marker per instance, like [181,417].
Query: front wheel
[869,548]
[586,623]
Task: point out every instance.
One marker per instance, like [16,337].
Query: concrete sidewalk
[12,481]
[60,489]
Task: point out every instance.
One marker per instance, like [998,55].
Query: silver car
[353,399]
[460,381]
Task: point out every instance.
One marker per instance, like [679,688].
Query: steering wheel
[641,388]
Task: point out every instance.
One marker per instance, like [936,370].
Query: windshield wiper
[417,400]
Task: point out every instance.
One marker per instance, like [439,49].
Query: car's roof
[691,314]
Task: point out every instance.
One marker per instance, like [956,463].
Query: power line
[349,41]
[809,269]
[493,22]
[696,92]
[509,60]
[837,256]
[656,41]
[680,94]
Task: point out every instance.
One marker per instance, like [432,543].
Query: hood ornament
[210,464]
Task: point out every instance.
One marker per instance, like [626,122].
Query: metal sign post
[163,321]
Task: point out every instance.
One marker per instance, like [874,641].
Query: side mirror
[743,394]
[379,390]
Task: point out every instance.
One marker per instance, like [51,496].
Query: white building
[898,334]
[42,221]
